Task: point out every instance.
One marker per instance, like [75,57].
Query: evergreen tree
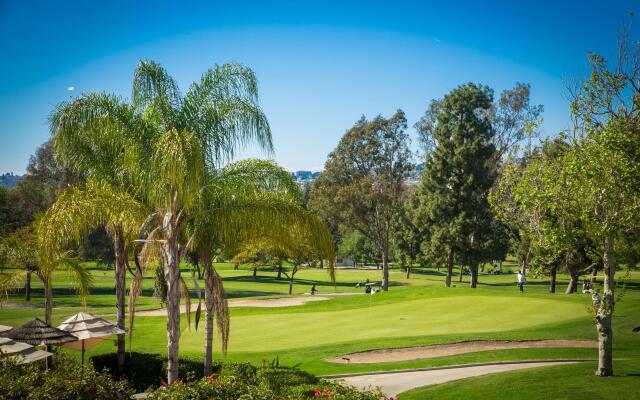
[457,178]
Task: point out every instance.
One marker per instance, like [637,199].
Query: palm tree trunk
[27,286]
[447,281]
[604,314]
[171,256]
[120,261]
[48,300]
[208,314]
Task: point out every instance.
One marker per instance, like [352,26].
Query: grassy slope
[415,311]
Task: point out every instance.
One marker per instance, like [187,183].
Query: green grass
[556,382]
[416,311]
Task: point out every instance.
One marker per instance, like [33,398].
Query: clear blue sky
[320,65]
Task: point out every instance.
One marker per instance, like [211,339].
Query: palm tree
[102,137]
[163,150]
[77,212]
[243,202]
[21,250]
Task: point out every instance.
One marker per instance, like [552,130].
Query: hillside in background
[9,180]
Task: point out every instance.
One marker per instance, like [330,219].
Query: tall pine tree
[457,178]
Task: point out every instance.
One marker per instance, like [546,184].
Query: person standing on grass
[521,281]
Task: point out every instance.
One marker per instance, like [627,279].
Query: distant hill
[9,180]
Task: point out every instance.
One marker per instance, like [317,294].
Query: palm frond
[156,94]
[222,110]
[221,308]
[80,277]
[184,293]
[177,169]
[99,135]
[11,280]
[135,289]
[80,209]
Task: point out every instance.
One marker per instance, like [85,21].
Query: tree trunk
[460,276]
[604,314]
[27,286]
[48,300]
[279,277]
[552,285]
[120,275]
[594,274]
[255,273]
[474,276]
[208,314]
[171,255]
[447,281]
[573,282]
[235,266]
[385,271]
[408,272]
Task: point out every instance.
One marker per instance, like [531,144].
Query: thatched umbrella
[4,328]
[89,331]
[23,353]
[37,332]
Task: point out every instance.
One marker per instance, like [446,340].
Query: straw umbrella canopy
[37,332]
[23,353]
[88,330]
[4,328]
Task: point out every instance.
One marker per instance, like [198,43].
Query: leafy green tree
[362,181]
[358,247]
[407,237]
[535,204]
[22,251]
[453,193]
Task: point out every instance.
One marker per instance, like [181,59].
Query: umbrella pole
[82,354]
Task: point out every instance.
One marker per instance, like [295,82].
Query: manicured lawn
[415,311]
[557,383]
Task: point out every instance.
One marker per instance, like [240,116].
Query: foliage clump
[244,381]
[66,380]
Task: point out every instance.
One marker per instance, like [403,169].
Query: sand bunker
[277,302]
[450,349]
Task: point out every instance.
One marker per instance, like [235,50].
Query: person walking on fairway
[521,281]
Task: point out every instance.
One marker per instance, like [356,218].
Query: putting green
[434,316]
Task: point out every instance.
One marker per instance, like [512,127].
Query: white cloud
[71,88]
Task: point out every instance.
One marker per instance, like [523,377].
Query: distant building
[303,177]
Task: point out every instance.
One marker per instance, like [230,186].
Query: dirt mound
[450,349]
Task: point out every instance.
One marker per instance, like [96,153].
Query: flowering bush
[245,382]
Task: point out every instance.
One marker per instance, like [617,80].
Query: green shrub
[278,379]
[146,370]
[142,370]
[67,379]
[245,382]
